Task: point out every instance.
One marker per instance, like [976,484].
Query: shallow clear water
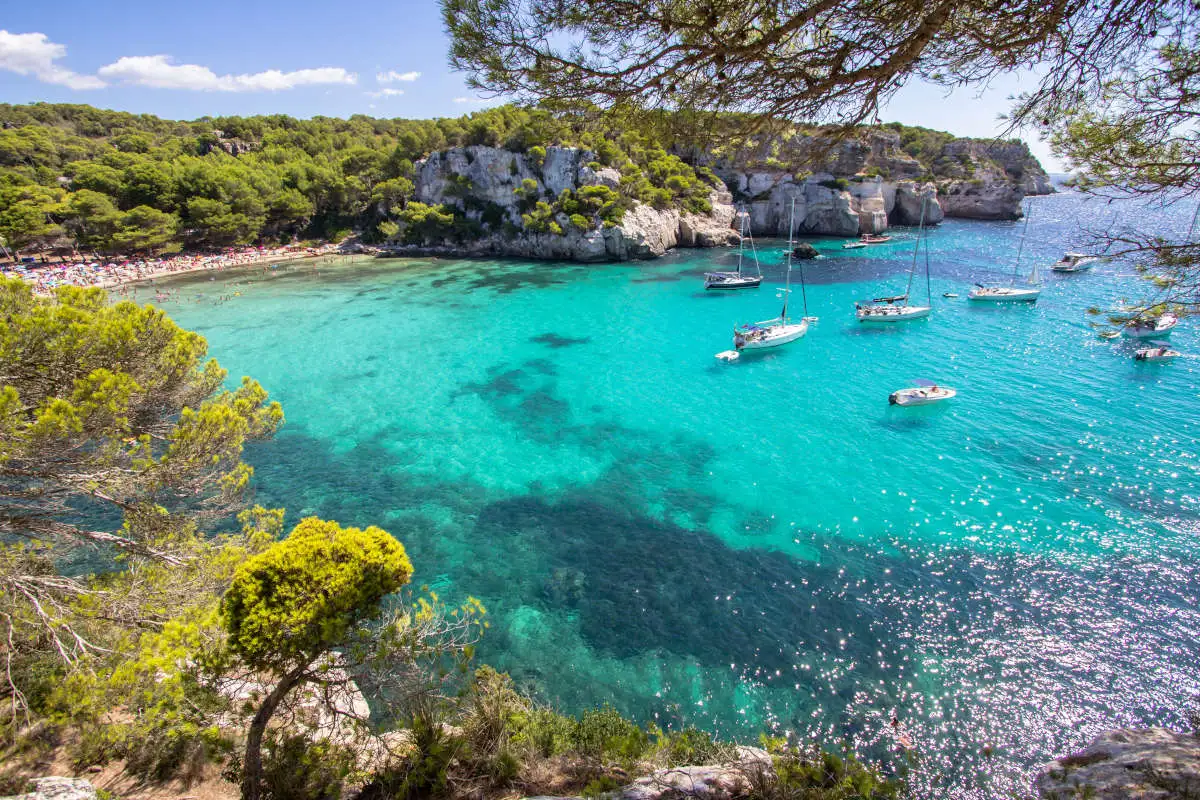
[766,544]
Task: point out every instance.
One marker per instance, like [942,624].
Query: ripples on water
[768,544]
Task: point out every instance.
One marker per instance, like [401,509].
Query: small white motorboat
[1160,353]
[854,245]
[728,356]
[1148,327]
[1005,294]
[951,295]
[1074,262]
[925,394]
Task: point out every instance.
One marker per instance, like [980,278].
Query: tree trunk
[252,767]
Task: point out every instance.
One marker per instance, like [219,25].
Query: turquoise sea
[765,545]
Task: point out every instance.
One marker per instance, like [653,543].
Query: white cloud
[34,54]
[467,100]
[386,93]
[392,76]
[158,72]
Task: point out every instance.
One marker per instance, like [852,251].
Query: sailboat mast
[916,250]
[928,282]
[1021,244]
[787,286]
[741,239]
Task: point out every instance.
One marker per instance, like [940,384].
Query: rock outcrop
[1150,764]
[859,185]
[707,782]
[826,205]
[970,178]
[482,180]
[58,789]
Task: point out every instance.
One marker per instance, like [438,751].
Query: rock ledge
[1148,764]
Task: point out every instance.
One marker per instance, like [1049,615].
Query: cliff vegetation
[77,176]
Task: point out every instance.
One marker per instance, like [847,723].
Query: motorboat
[896,308]
[738,280]
[865,240]
[921,395]
[1074,262]
[1149,327]
[1012,293]
[1156,354]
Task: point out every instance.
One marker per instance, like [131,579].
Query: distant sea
[765,545]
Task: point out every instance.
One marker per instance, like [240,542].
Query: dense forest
[74,176]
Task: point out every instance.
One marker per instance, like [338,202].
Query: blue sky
[302,58]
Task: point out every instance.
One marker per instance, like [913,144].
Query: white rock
[1149,764]
[53,788]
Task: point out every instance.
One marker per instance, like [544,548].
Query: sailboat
[1013,293]
[897,308]
[781,330]
[1148,326]
[736,280]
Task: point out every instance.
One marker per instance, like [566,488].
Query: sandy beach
[114,274]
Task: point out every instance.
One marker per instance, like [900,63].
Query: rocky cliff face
[859,185]
[479,180]
[823,206]
[880,184]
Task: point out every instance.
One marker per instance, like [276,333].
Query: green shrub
[604,734]
[693,746]
[542,732]
[598,787]
[581,222]
[296,769]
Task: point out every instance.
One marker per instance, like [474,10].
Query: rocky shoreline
[862,186]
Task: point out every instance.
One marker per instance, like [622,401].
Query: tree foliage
[797,59]
[117,439]
[303,596]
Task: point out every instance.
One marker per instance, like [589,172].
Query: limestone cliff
[487,185]
[873,176]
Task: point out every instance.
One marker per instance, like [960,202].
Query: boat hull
[1157,354]
[776,335]
[902,314]
[1162,327]
[733,283]
[1004,295]
[920,397]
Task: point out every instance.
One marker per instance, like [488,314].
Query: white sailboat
[736,280]
[781,330]
[897,307]
[1149,327]
[1013,292]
